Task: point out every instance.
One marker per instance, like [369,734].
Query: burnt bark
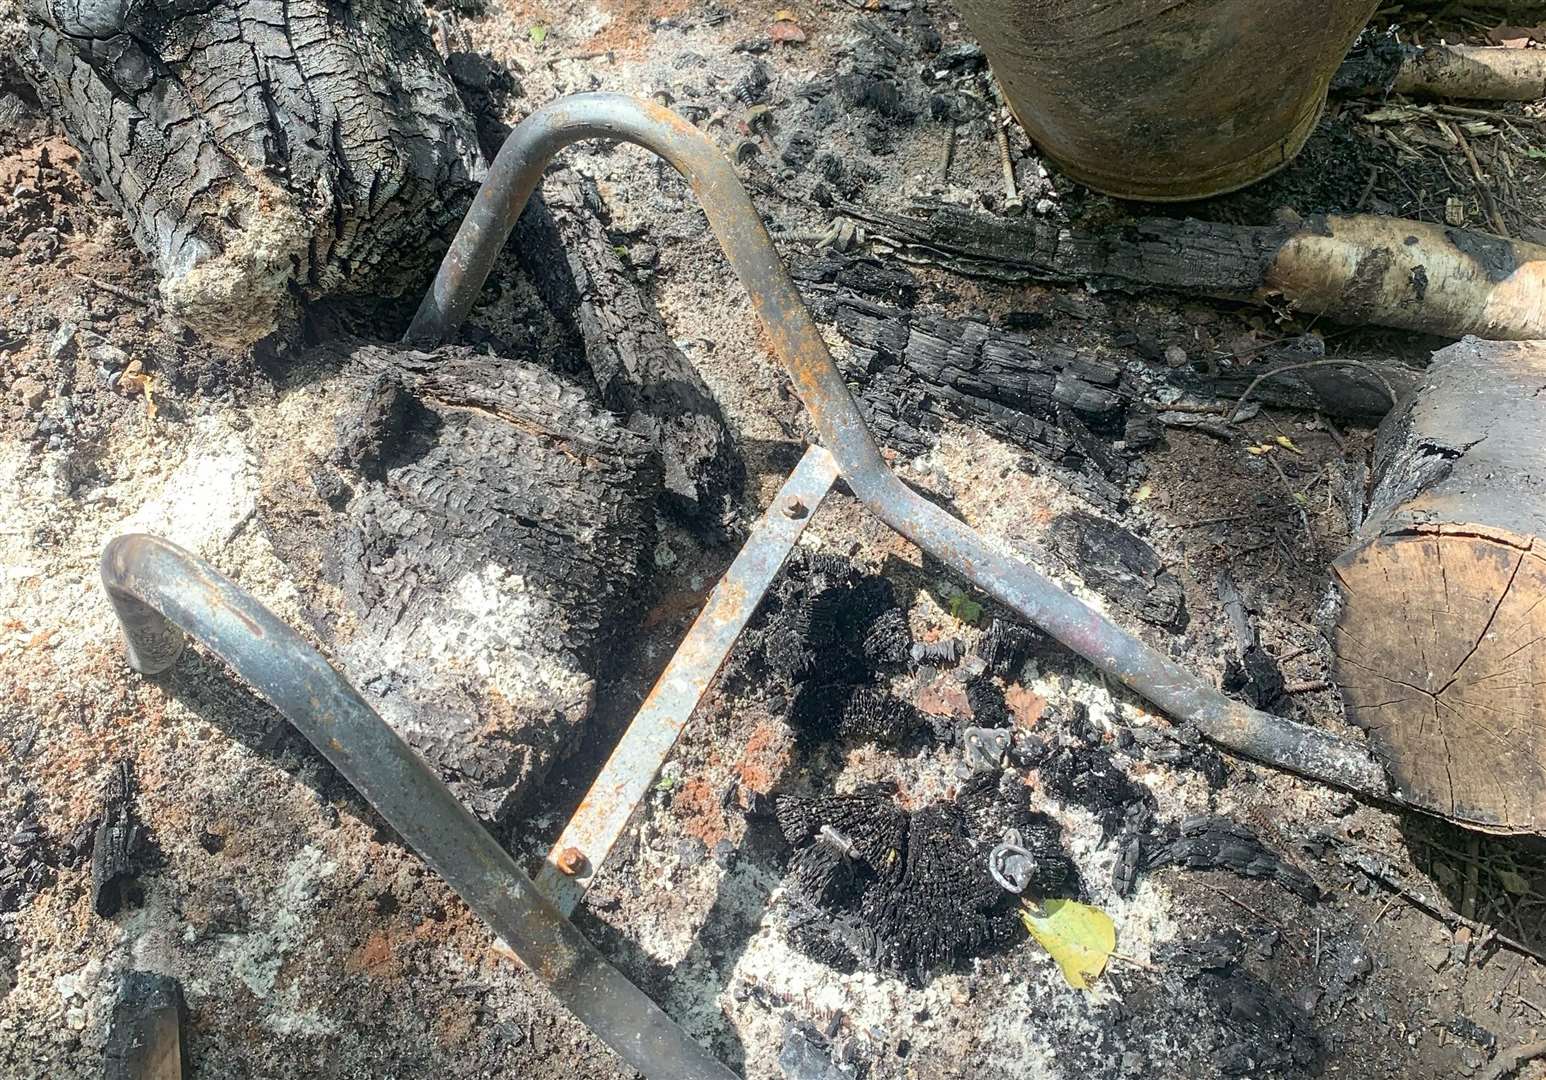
[261,150]
[563,245]
[486,530]
[1357,268]
[1438,643]
[1069,406]
[1120,566]
[117,846]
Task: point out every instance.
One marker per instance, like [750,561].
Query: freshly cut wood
[483,528]
[1356,269]
[259,149]
[1440,640]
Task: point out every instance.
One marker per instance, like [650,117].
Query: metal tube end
[152,642]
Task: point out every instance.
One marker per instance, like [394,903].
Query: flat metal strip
[625,780]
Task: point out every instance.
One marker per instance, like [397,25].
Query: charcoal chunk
[917,883]
[1215,843]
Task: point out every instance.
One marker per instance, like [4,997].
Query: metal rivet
[570,861]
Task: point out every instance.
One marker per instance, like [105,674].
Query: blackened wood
[1250,671]
[145,1038]
[563,245]
[257,148]
[117,845]
[914,371]
[1119,566]
[1439,646]
[486,528]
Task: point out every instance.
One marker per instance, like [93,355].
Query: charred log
[914,372]
[261,151]
[564,247]
[486,530]
[1357,269]
[1438,644]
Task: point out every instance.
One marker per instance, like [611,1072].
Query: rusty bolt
[570,861]
[793,507]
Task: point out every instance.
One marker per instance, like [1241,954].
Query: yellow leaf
[784,15]
[1079,937]
[1143,493]
[1258,450]
[1288,444]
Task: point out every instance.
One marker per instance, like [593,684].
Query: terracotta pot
[1166,99]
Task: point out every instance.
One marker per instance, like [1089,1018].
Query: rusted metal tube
[799,344]
[159,591]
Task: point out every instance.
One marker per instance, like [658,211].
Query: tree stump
[1440,641]
[260,149]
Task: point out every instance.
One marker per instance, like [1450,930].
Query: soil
[310,942]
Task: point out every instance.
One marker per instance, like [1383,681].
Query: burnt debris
[1256,1029]
[830,635]
[1120,566]
[875,886]
[1214,843]
[27,862]
[121,848]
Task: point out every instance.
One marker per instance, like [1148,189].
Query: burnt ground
[311,943]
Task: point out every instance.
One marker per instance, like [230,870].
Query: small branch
[1482,188]
[115,290]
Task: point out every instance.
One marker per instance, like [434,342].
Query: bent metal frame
[161,592]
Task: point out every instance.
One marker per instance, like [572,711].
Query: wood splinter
[1440,641]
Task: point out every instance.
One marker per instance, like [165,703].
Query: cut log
[1356,269]
[259,150]
[486,529]
[1440,641]
[562,243]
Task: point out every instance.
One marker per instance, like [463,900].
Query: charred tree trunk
[1440,642]
[1357,269]
[485,528]
[261,149]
